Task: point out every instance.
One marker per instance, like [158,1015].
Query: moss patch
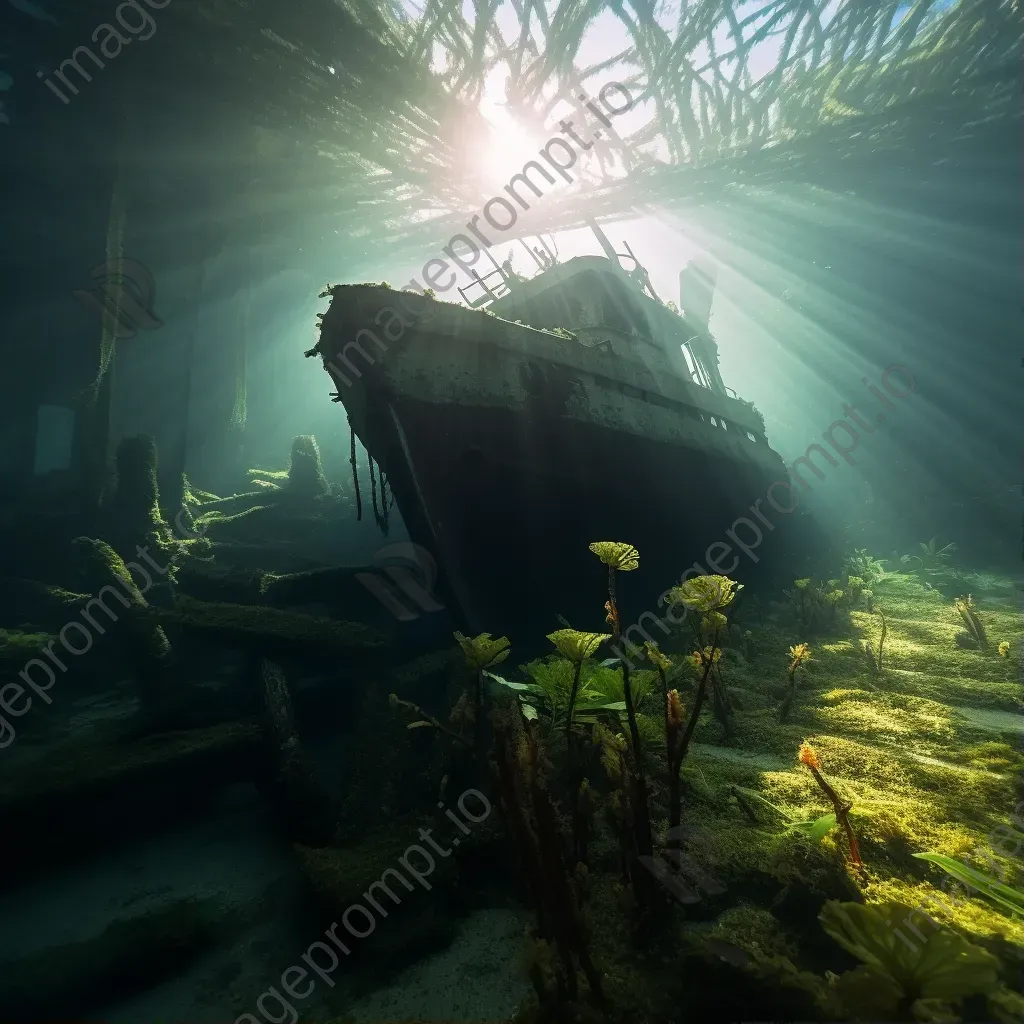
[246,622]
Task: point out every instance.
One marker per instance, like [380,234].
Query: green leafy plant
[622,557]
[1006,896]
[799,655]
[423,719]
[814,830]
[706,593]
[897,970]
[705,598]
[840,807]
[975,629]
[871,656]
[599,696]
[481,652]
[818,604]
[575,647]
[864,565]
[854,589]
[932,559]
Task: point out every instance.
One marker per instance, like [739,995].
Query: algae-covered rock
[130,955]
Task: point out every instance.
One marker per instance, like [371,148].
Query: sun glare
[508,149]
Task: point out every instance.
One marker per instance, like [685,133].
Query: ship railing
[489,292]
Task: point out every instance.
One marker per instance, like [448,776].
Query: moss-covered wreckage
[802,808]
[724,826]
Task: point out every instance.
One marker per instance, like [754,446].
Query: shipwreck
[544,414]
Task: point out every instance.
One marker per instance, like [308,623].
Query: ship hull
[508,506]
[509,450]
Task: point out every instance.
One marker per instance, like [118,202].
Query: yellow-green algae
[922,771]
[921,774]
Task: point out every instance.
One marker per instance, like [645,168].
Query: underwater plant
[799,655]
[815,829]
[481,652]
[423,719]
[533,823]
[898,971]
[933,562]
[1004,648]
[545,697]
[872,657]
[1006,896]
[809,758]
[575,647]
[677,738]
[869,598]
[622,557]
[817,605]
[867,567]
[854,588]
[974,634]
[267,479]
[708,595]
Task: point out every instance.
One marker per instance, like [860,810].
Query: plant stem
[430,719]
[842,812]
[572,698]
[788,702]
[480,723]
[677,757]
[698,704]
[641,813]
[881,640]
[575,775]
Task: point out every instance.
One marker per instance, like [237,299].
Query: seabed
[188,868]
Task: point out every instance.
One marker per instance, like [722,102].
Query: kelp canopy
[381,98]
[759,92]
